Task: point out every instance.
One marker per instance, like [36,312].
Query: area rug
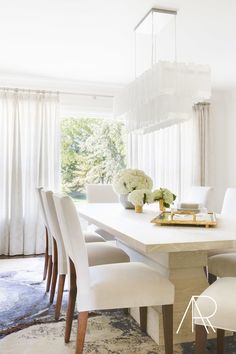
[103,337]
[27,322]
[23,300]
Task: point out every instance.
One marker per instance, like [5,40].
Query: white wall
[223,143]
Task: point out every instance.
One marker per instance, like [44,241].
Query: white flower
[168,197]
[140,196]
[131,179]
[165,194]
[157,194]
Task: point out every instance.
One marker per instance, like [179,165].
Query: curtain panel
[176,157]
[202,143]
[29,157]
[165,155]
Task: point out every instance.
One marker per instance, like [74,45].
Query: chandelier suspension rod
[154,44]
[152,59]
[176,39]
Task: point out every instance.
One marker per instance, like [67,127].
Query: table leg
[186,272]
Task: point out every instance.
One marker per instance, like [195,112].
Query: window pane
[92,151]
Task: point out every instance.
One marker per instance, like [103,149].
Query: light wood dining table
[177,252]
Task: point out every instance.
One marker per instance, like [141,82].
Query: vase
[138,209]
[161,205]
[124,201]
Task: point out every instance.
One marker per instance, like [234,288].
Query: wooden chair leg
[167,312]
[82,325]
[49,275]
[211,278]
[71,302]
[201,339]
[143,318]
[220,341]
[61,284]
[55,272]
[46,255]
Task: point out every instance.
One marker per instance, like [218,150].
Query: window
[92,151]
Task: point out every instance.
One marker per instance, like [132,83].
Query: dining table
[177,252]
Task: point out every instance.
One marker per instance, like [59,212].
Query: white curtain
[202,143]
[29,157]
[176,157]
[165,155]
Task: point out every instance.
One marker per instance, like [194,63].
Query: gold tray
[188,218]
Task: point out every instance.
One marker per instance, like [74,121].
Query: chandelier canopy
[165,93]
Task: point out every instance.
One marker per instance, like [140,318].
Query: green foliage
[92,151]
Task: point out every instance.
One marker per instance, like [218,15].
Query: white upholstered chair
[222,263]
[198,194]
[223,292]
[99,252]
[229,203]
[59,257]
[111,286]
[48,248]
[101,193]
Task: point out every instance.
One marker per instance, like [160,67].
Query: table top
[136,230]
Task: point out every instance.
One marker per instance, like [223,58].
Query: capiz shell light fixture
[165,93]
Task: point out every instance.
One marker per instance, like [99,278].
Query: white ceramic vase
[124,201]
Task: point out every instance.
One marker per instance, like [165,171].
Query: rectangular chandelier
[165,93]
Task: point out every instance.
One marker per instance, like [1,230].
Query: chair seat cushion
[126,285]
[222,265]
[223,292]
[91,236]
[105,253]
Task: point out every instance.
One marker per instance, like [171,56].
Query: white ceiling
[93,40]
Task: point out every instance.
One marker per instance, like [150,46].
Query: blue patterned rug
[23,301]
[27,320]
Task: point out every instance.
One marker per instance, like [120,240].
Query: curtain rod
[94,95]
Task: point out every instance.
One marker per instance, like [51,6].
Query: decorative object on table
[164,196]
[124,201]
[185,218]
[192,207]
[140,197]
[128,180]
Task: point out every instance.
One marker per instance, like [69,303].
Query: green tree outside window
[92,151]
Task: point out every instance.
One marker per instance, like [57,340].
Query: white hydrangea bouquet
[164,196]
[129,180]
[139,197]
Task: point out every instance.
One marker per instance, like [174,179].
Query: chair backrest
[73,239]
[229,203]
[101,193]
[41,206]
[49,206]
[198,194]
